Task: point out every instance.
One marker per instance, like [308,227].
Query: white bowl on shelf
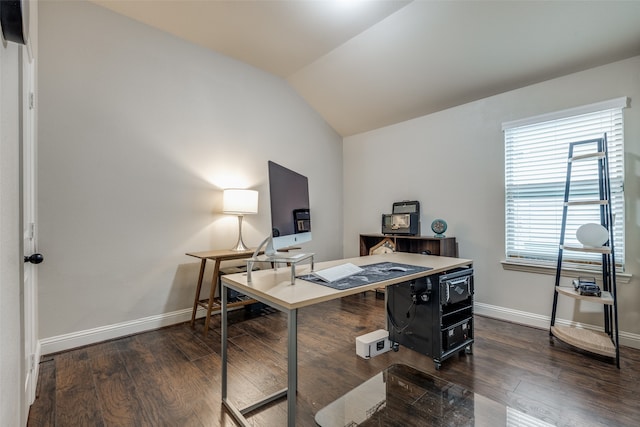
[592,235]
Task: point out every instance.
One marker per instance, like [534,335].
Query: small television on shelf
[290,213]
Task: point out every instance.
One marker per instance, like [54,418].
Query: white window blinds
[536,152]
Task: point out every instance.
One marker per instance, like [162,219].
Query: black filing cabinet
[433,315]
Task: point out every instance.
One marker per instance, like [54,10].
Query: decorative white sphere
[592,235]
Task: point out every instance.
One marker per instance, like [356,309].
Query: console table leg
[212,294]
[203,263]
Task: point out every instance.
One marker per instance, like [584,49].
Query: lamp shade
[239,202]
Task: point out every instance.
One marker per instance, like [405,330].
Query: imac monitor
[290,214]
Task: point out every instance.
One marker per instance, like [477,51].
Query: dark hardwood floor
[171,376]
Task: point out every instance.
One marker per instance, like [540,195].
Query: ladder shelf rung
[587,202]
[605,298]
[599,250]
[595,155]
[595,342]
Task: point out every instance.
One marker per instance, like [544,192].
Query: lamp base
[240,246]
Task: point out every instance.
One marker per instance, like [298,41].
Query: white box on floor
[373,344]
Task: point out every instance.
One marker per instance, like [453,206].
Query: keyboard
[338,272]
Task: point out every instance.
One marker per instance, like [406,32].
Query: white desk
[274,288]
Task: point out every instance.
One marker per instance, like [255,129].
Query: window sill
[566,272]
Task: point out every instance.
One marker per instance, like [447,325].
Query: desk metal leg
[212,295]
[292,367]
[223,333]
[203,264]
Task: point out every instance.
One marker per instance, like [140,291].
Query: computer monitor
[290,213]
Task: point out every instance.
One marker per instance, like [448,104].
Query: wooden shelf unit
[441,246]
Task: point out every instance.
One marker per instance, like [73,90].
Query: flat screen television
[290,213]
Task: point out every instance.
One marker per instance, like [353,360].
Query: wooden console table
[212,303]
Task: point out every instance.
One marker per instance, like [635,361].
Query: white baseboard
[104,333]
[515,316]
[543,322]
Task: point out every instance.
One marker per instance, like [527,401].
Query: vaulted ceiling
[367,64]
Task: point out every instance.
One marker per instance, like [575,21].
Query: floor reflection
[403,396]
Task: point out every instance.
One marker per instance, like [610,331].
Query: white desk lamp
[240,202]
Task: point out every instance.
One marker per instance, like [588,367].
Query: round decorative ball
[592,235]
[439,226]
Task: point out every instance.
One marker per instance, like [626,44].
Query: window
[536,152]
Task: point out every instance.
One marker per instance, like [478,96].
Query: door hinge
[32,362]
[31,100]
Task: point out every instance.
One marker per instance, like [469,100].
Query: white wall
[453,163]
[11,367]
[139,132]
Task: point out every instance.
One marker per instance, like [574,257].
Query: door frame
[29,291]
